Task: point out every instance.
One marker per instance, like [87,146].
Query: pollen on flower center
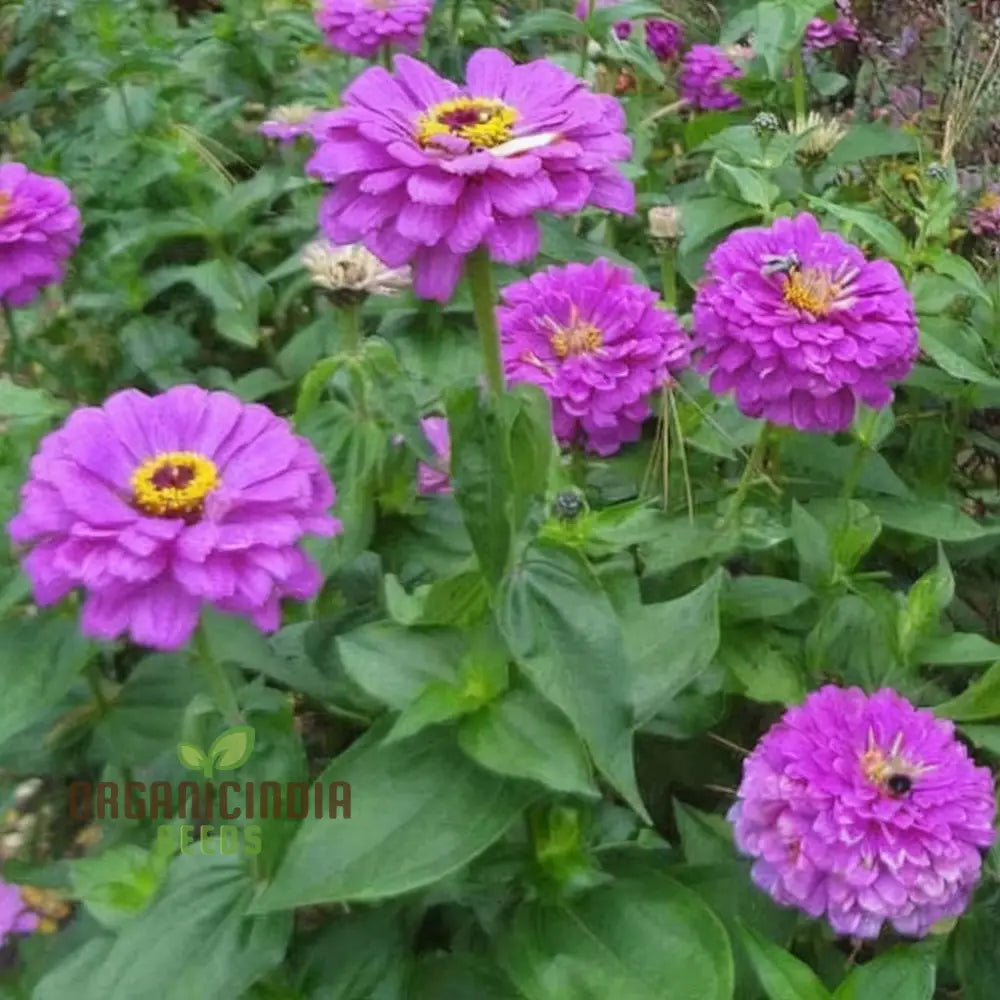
[812,289]
[579,337]
[482,122]
[886,769]
[174,483]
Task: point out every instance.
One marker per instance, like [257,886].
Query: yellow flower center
[812,289]
[174,483]
[50,907]
[580,337]
[890,771]
[483,122]
[5,202]
[988,202]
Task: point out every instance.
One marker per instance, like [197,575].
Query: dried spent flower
[666,226]
[351,273]
[817,136]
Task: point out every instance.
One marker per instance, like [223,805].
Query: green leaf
[670,644]
[951,264]
[814,547]
[764,667]
[191,757]
[640,940]
[782,975]
[957,650]
[867,140]
[980,700]
[21,405]
[194,939]
[232,748]
[705,218]
[458,976]
[706,838]
[481,477]
[42,658]
[904,973]
[394,664]
[524,737]
[544,22]
[929,519]
[562,629]
[118,884]
[749,185]
[438,702]
[526,415]
[977,958]
[780,25]
[925,603]
[884,233]
[420,810]
[754,597]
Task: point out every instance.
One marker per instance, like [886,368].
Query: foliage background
[494,670]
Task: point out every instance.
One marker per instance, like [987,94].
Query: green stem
[484,298]
[13,345]
[853,476]
[799,84]
[585,45]
[750,472]
[350,326]
[217,680]
[96,681]
[668,272]
[386,54]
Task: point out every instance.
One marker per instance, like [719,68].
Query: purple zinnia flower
[664,39]
[622,28]
[984,216]
[866,809]
[288,122]
[435,479]
[801,326]
[704,71]
[905,106]
[597,343]
[39,227]
[362,27]
[822,34]
[156,505]
[425,171]
[15,916]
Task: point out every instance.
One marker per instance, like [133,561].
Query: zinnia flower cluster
[865,809]
[801,327]
[984,216]
[704,72]
[39,227]
[823,34]
[598,345]
[436,478]
[665,39]
[425,171]
[157,505]
[362,27]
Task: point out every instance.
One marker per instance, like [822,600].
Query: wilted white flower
[351,273]
[818,136]
[665,225]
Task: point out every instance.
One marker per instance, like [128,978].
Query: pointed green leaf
[232,748]
[783,976]
[192,757]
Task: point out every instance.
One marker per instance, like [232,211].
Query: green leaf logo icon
[232,749]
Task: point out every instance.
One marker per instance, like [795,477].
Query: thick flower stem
[350,326]
[386,54]
[217,680]
[12,350]
[585,44]
[668,274]
[484,299]
[750,472]
[799,85]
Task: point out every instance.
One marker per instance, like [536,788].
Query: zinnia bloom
[622,28]
[865,809]
[823,34]
[39,227]
[288,122]
[664,39]
[984,216]
[597,343]
[15,916]
[435,479]
[425,171]
[362,27]
[704,72]
[156,505]
[801,326]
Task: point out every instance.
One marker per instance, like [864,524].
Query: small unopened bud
[352,273]
[937,172]
[567,505]
[666,226]
[766,124]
